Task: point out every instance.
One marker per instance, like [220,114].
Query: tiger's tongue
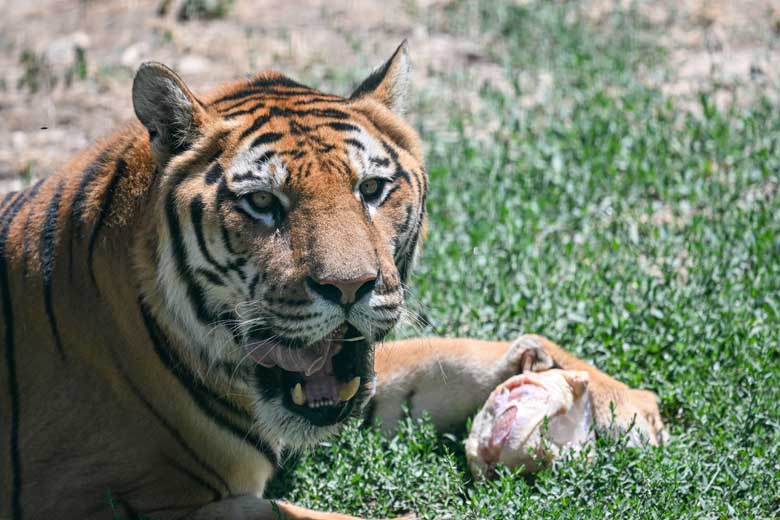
[310,360]
[316,364]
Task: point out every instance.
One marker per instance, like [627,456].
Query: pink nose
[345,292]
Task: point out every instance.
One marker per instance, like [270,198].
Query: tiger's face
[290,220]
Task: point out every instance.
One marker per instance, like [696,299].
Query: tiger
[210,285]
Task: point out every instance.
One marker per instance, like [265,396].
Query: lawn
[639,230]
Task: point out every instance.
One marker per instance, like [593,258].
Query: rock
[134,55]
[193,65]
[62,51]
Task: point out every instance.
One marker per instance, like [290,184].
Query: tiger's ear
[389,83]
[167,108]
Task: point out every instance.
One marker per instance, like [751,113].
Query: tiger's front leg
[252,508]
[450,379]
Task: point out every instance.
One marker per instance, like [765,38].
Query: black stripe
[266,86]
[268,137]
[7,198]
[240,102]
[267,156]
[256,125]
[10,351]
[237,113]
[196,214]
[390,192]
[78,205]
[405,262]
[276,94]
[171,429]
[214,174]
[196,161]
[201,394]
[253,285]
[302,317]
[354,142]
[195,478]
[246,176]
[9,206]
[211,276]
[322,113]
[226,240]
[399,171]
[387,307]
[342,127]
[291,303]
[46,248]
[261,100]
[194,290]
[277,81]
[404,226]
[108,196]
[25,261]
[319,98]
[380,161]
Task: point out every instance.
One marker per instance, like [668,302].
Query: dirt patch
[45,119]
[66,66]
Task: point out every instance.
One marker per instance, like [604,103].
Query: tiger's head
[286,226]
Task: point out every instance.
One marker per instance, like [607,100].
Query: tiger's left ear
[168,109]
[389,83]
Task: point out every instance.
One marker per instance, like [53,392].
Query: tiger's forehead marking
[368,156]
[287,147]
[257,168]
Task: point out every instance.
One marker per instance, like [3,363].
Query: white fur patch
[249,173]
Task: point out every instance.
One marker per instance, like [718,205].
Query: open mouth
[321,382]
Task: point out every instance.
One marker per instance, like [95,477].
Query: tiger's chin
[309,392]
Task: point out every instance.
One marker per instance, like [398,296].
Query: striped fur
[136,282]
[134,279]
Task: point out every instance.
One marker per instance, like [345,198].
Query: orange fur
[125,278]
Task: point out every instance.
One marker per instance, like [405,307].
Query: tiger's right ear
[167,108]
[389,83]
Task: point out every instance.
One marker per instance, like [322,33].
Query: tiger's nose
[344,292]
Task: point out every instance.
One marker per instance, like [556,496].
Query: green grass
[642,232]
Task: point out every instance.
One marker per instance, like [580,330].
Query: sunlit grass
[640,232]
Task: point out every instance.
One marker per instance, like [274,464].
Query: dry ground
[44,117]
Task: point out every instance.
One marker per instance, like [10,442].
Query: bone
[509,429]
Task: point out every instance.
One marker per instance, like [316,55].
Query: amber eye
[261,201]
[371,189]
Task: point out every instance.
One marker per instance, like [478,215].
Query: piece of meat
[511,429]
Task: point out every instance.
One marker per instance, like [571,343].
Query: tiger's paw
[636,413]
[527,354]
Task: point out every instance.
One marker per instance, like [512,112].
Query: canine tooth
[298,396]
[348,390]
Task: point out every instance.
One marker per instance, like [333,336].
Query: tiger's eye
[261,200]
[370,188]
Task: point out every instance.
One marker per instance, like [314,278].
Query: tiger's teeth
[298,396]
[348,390]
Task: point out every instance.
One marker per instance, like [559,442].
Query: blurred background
[67,66]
